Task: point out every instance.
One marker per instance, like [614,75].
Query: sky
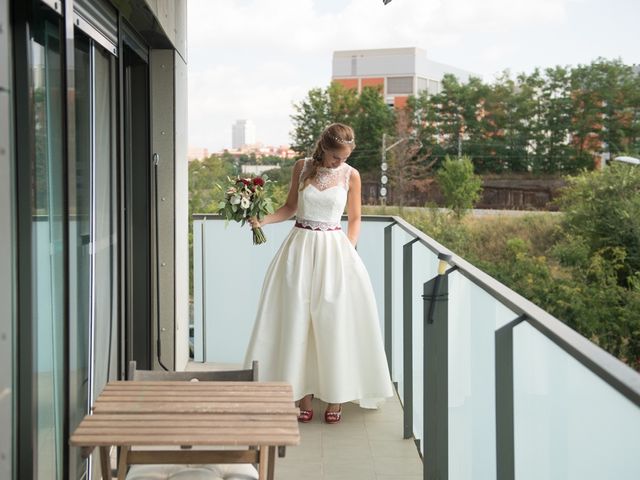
[253,59]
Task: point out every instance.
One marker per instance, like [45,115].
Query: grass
[481,237]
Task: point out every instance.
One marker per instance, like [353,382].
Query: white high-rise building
[243,133]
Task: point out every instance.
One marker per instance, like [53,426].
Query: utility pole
[382,191]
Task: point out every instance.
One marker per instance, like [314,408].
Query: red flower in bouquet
[246,198]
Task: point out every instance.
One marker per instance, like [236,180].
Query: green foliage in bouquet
[247,198]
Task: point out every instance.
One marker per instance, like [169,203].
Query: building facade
[243,133]
[94,208]
[197,153]
[399,72]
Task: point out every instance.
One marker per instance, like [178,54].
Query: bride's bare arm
[354,207]
[290,207]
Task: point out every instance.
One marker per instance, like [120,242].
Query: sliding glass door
[84,219]
[104,222]
[93,234]
[80,249]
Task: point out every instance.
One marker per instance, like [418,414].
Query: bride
[317,323]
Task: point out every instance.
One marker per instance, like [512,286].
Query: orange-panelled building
[399,72]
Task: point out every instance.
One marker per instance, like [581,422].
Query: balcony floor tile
[365,445]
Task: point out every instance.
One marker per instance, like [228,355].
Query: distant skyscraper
[243,132]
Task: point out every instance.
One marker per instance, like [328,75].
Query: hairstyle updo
[335,136]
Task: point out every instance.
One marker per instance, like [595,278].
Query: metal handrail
[617,374]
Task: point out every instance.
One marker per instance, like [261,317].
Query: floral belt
[317,226]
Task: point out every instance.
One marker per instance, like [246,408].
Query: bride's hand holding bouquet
[247,200]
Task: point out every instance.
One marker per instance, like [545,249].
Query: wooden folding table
[132,414]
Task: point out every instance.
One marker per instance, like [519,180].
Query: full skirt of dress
[317,323]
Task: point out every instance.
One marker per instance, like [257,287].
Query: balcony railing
[492,386]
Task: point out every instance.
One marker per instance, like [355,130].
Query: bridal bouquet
[246,198]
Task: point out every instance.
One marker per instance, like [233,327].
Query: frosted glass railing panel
[398,238]
[371,251]
[197,291]
[568,423]
[425,265]
[227,289]
[474,316]
[228,274]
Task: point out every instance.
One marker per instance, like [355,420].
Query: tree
[606,103]
[505,126]
[484,126]
[422,112]
[409,164]
[373,118]
[204,195]
[556,99]
[204,175]
[448,109]
[551,121]
[311,117]
[366,113]
[343,104]
[460,186]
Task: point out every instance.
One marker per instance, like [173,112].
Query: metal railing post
[505,449]
[435,428]
[204,289]
[388,295]
[407,336]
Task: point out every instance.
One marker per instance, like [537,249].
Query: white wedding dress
[317,323]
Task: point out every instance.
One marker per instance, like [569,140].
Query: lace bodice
[321,203]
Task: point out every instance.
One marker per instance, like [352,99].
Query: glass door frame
[133,46]
[25,453]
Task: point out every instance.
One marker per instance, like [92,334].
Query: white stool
[230,471]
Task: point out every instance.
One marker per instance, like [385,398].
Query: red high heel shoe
[305,416]
[333,417]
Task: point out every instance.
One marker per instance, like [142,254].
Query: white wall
[393,62]
[182,218]
[172,15]
[436,70]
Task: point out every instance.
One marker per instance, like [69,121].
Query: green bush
[602,213]
[460,186]
[601,247]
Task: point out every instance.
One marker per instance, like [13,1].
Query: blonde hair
[335,136]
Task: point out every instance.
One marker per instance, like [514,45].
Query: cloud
[222,94]
[296,25]
[253,58]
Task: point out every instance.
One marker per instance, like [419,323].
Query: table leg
[272,463]
[263,462]
[123,463]
[105,463]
